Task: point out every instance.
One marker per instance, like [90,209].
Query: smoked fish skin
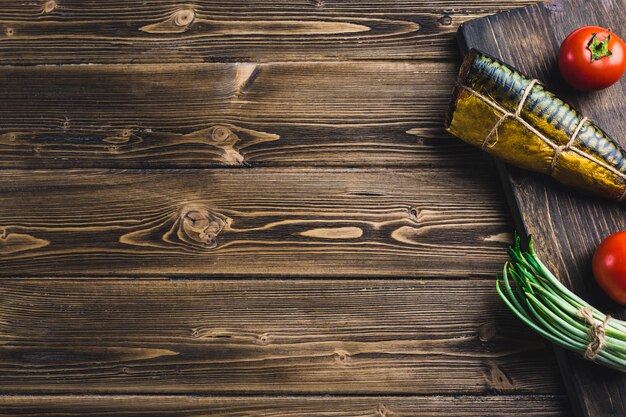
[516,119]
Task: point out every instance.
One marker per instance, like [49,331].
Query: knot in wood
[554,5]
[184,17]
[220,134]
[9,31]
[341,356]
[445,20]
[48,6]
[264,339]
[499,379]
[223,136]
[199,226]
[382,411]
[487,332]
[416,214]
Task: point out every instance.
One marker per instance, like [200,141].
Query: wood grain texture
[260,222]
[207,115]
[566,225]
[211,84]
[315,336]
[120,31]
[189,406]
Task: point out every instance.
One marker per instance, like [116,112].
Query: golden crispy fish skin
[517,120]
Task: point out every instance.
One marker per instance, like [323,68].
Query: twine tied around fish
[558,149]
[517,116]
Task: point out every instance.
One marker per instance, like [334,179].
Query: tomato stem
[599,49]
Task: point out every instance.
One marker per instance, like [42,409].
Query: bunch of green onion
[541,301]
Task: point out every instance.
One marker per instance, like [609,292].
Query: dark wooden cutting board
[566,225]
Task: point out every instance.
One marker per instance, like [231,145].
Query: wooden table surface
[249,207]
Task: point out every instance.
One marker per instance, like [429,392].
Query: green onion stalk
[541,301]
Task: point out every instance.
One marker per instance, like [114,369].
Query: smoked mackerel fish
[515,118]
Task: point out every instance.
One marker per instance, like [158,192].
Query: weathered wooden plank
[200,115]
[266,336]
[566,225]
[77,31]
[260,222]
[422,406]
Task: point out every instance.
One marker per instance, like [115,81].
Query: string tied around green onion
[551,309]
[597,332]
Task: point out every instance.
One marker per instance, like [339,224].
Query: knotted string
[569,144]
[507,114]
[597,332]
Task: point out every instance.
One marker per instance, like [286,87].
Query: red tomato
[609,266]
[592,58]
